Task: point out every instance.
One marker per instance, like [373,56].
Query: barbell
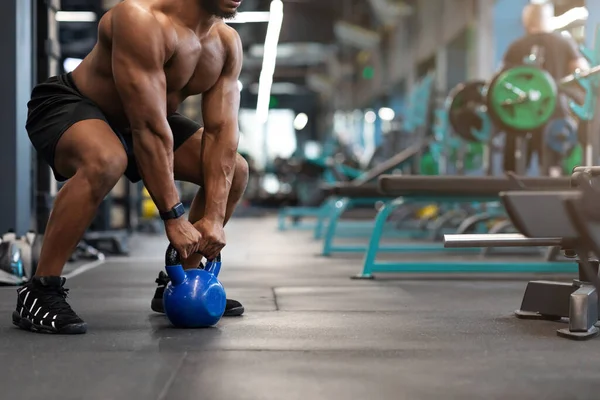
[579,74]
[523,99]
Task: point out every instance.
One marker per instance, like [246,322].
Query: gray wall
[418,38]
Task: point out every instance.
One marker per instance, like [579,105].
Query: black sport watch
[177,211]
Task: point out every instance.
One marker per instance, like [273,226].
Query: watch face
[173,213]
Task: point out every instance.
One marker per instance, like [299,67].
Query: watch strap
[177,211]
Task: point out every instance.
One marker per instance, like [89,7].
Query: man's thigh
[89,143]
[188,162]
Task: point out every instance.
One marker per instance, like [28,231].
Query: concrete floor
[309,333]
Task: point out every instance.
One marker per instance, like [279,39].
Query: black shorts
[57,104]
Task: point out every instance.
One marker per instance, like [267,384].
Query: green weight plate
[463,104]
[428,165]
[522,99]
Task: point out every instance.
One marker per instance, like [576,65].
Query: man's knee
[103,171]
[242,171]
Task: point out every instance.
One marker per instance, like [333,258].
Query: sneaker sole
[157,306]
[234,312]
[27,325]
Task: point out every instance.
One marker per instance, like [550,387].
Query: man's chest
[194,69]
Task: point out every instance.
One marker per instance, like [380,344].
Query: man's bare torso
[195,66]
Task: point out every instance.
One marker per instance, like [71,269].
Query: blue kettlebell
[194,298]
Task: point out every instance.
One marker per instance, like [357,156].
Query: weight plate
[482,132]
[560,135]
[522,99]
[466,106]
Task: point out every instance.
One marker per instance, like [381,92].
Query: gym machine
[573,212]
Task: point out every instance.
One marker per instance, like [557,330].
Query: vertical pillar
[482,40]
[15,81]
[593,20]
[441,71]
[457,60]
[378,128]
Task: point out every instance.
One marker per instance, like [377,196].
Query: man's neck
[191,14]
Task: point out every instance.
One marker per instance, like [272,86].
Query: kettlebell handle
[172,256]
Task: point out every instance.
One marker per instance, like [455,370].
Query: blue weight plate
[560,135]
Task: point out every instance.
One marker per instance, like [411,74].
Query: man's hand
[212,238]
[183,236]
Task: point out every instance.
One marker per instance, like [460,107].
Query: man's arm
[220,106]
[575,59]
[139,52]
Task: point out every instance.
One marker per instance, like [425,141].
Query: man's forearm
[154,155]
[219,157]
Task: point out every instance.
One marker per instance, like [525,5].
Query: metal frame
[337,228]
[321,213]
[371,265]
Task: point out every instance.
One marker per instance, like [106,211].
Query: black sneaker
[233,308]
[42,307]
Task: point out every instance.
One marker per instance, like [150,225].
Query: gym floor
[309,332]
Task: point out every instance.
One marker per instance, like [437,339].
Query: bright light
[312,150]
[240,85]
[300,121]
[271,184]
[249,17]
[70,64]
[269,60]
[386,114]
[370,117]
[566,19]
[76,16]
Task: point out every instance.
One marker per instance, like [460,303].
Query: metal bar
[391,163]
[485,266]
[498,240]
[579,75]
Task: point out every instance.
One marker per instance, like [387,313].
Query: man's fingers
[210,250]
[210,254]
[183,254]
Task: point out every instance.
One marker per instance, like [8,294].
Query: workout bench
[452,189]
[565,218]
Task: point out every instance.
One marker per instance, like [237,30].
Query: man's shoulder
[228,35]
[145,18]
[543,39]
[524,40]
[143,12]
[559,37]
